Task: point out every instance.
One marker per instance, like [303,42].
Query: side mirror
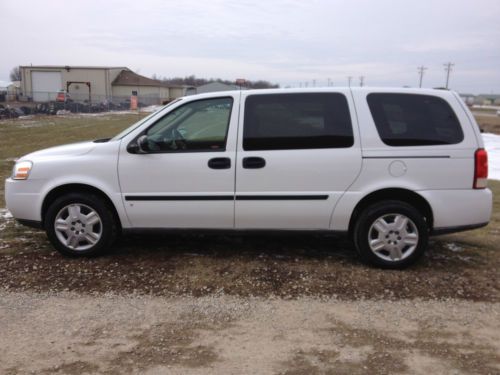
[140,146]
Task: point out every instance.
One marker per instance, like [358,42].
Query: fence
[51,102]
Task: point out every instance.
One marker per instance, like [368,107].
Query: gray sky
[283,41]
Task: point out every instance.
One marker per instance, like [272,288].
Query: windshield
[140,122]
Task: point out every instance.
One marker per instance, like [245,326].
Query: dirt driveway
[74,334]
[197,304]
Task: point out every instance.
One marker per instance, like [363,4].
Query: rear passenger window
[414,120]
[296,121]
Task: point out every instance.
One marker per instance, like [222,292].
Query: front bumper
[31,223]
[23,199]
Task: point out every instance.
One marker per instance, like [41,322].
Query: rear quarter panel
[422,169]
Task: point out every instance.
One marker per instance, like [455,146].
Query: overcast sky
[284,41]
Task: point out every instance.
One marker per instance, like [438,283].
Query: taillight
[480,169]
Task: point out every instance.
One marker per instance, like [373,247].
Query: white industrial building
[93,83]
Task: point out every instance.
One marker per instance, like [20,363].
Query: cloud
[285,41]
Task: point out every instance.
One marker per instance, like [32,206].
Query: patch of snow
[151,108]
[486,106]
[492,145]
[5,214]
[99,114]
[63,112]
[454,247]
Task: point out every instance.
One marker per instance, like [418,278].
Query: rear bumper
[456,210]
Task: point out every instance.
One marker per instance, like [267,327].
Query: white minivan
[388,167]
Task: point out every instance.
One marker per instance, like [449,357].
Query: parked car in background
[387,167]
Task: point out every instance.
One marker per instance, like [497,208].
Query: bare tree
[195,81]
[15,74]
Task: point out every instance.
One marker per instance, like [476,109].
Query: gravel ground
[285,266]
[115,334]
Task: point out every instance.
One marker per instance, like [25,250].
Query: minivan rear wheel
[80,224]
[391,234]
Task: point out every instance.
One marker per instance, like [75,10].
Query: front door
[297,155]
[187,177]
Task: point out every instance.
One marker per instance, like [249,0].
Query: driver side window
[196,126]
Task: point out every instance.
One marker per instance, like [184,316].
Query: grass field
[19,137]
[489,123]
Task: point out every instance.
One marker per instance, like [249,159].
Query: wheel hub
[393,237]
[78,226]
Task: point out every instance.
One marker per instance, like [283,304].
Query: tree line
[192,80]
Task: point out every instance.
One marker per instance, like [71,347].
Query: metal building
[92,84]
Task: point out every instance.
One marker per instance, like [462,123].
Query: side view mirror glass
[143,143]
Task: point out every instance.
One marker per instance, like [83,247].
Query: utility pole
[314,83]
[361,81]
[421,70]
[349,79]
[447,68]
[329,83]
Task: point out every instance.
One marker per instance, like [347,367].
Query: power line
[448,68]
[421,70]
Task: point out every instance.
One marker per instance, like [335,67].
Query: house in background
[93,84]
[3,90]
[487,99]
[468,98]
[212,87]
[9,91]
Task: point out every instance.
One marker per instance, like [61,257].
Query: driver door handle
[219,163]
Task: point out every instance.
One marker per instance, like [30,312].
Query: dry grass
[488,122]
[19,137]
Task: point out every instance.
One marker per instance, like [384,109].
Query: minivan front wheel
[391,234]
[80,225]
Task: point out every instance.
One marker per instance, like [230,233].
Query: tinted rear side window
[414,120]
[296,121]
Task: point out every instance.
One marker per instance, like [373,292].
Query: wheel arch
[408,196]
[77,188]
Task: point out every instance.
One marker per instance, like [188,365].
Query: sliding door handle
[219,163]
[254,162]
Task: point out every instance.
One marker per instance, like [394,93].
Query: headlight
[22,170]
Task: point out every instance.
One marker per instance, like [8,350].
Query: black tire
[107,226]
[388,209]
